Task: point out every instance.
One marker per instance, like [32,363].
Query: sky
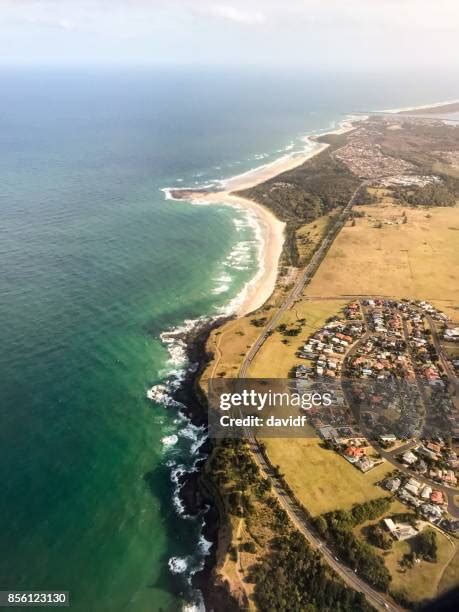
[361,34]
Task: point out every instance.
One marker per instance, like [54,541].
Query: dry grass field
[421,581]
[450,576]
[309,235]
[320,478]
[377,255]
[425,580]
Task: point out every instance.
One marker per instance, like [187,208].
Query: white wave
[169,440]
[198,606]
[261,156]
[167,193]
[243,249]
[178,565]
[224,278]
[204,546]
[240,254]
[191,431]
[159,394]
[221,289]
[197,435]
[175,343]
[240,224]
[176,472]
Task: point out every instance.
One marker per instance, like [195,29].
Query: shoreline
[260,288]
[408,109]
[271,230]
[196,491]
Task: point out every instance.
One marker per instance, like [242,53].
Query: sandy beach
[423,107]
[259,289]
[262,285]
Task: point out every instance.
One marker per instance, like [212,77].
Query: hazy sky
[360,33]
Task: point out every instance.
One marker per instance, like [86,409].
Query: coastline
[271,230]
[261,286]
[194,489]
[420,107]
[197,492]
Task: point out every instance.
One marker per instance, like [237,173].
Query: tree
[426,544]
[379,538]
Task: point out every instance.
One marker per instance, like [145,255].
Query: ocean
[99,271]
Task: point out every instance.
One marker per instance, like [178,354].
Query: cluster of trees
[294,578]
[260,322]
[426,545]
[363,196]
[433,194]
[236,475]
[336,527]
[303,194]
[379,537]
[288,331]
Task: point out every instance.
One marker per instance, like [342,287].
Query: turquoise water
[96,265]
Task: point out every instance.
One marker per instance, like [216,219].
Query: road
[300,521]
[303,279]
[294,511]
[453,379]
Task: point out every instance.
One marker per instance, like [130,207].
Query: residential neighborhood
[393,399]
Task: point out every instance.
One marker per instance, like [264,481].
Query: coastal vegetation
[397,240]
[306,193]
[262,561]
[294,577]
[337,526]
[433,194]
